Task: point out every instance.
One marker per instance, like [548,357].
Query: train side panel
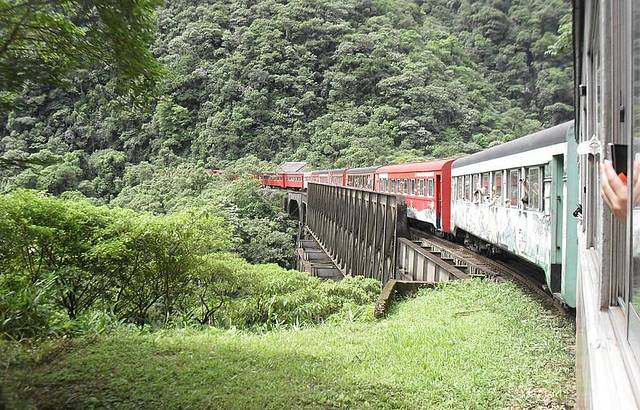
[425,187]
[293,180]
[513,198]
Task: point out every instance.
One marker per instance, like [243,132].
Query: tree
[43,39]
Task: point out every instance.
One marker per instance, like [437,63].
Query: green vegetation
[43,40]
[464,346]
[64,261]
[347,83]
[132,277]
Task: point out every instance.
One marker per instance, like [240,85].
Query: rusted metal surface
[419,263]
[358,229]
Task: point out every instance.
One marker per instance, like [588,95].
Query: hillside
[346,83]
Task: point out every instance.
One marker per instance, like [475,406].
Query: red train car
[363,178]
[329,176]
[426,187]
[272,179]
[294,180]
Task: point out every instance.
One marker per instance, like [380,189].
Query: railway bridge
[352,232]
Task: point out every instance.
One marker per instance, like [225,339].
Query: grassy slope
[474,345]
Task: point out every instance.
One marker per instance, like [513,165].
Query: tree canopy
[349,83]
[42,40]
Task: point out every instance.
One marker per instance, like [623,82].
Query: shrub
[266,296]
[68,266]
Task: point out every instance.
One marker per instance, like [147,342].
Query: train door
[437,193]
[557,222]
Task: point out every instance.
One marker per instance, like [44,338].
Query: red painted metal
[330,176]
[272,179]
[434,209]
[293,180]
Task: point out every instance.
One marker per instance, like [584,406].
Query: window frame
[538,192]
[467,188]
[510,188]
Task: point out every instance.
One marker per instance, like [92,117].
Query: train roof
[328,171]
[293,167]
[415,166]
[540,139]
[363,170]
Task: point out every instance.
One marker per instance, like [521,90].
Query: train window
[633,208]
[460,188]
[421,187]
[412,190]
[476,188]
[485,187]
[513,189]
[532,185]
[467,187]
[430,188]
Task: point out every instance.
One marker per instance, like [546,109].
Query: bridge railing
[415,263]
[358,229]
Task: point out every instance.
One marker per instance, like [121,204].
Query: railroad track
[481,266]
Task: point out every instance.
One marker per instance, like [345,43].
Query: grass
[467,345]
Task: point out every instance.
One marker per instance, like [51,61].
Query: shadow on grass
[140,372]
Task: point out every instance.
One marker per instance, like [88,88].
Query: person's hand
[614,191]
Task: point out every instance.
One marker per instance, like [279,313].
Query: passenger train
[510,198]
[539,197]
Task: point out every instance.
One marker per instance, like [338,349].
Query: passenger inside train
[614,189]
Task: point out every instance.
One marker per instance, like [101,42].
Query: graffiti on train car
[522,232]
[426,215]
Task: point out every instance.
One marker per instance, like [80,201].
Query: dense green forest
[346,83]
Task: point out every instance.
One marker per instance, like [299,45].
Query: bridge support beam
[357,229]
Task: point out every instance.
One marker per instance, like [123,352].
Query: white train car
[518,197]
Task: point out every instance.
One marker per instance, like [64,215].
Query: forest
[351,83]
[129,132]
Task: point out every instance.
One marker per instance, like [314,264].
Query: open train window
[513,189]
[467,187]
[476,188]
[633,207]
[533,184]
[484,182]
[496,188]
[460,188]
[430,188]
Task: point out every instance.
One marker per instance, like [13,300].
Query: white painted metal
[537,156]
